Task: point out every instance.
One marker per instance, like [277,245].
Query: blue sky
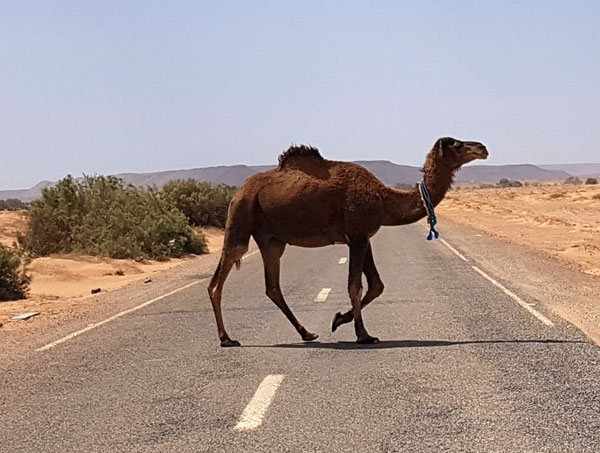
[107,87]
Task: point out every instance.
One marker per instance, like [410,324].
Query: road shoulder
[556,285]
[50,326]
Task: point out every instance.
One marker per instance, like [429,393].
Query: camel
[309,201]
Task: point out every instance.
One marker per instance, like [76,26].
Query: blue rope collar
[431,218]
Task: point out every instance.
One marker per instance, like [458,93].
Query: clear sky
[102,87]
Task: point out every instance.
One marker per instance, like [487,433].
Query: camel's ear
[439,147]
[447,145]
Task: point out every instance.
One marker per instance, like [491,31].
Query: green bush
[201,202]
[102,216]
[572,180]
[591,181]
[14,280]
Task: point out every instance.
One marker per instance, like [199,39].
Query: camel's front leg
[358,253]
[374,290]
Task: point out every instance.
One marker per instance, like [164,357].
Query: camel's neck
[405,206]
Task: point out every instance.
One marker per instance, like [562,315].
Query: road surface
[463,365]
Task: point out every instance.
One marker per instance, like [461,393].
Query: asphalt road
[461,367]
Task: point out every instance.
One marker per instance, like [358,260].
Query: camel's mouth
[477,151]
[481,154]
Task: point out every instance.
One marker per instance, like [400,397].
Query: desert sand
[562,220]
[60,282]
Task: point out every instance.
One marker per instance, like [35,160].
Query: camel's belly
[316,241]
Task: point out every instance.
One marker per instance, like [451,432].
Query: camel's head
[456,153]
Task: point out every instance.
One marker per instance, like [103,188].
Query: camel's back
[305,200]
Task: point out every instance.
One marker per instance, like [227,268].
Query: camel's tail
[238,230]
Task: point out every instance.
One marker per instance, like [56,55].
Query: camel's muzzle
[477,151]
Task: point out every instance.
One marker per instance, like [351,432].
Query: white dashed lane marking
[256,409]
[322,296]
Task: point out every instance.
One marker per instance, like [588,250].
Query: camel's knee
[376,288]
[213,293]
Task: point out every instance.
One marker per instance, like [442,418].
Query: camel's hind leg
[229,257]
[271,251]
[237,237]
[375,288]
[358,253]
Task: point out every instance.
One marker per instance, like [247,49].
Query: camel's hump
[297,154]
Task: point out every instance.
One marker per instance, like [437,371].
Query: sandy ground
[11,222]
[562,220]
[62,283]
[214,238]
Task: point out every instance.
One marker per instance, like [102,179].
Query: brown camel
[309,201]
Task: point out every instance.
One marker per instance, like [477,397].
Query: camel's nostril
[482,153]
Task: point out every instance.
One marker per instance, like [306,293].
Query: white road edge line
[256,409]
[456,252]
[322,296]
[123,313]
[343,260]
[516,298]
[112,318]
[250,254]
[508,292]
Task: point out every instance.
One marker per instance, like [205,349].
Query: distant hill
[581,170]
[389,172]
[521,172]
[25,194]
[234,175]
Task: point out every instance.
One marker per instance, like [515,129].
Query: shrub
[572,180]
[504,182]
[102,216]
[596,196]
[591,181]
[202,203]
[12,204]
[14,280]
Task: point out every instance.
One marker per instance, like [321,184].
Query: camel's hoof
[308,336]
[229,343]
[368,340]
[337,321]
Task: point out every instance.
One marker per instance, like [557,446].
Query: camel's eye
[456,145]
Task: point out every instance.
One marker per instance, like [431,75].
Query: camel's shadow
[391,344]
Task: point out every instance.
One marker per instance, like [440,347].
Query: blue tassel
[430,211]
